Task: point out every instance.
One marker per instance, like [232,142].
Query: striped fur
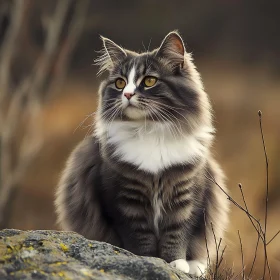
[142,180]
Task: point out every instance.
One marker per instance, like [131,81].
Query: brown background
[236,46]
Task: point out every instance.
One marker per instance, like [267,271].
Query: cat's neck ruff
[153,147]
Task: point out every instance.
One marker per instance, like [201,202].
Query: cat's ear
[111,55]
[115,52]
[172,49]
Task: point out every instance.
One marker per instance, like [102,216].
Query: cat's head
[159,86]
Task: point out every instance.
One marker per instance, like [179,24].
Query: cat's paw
[181,264]
[197,268]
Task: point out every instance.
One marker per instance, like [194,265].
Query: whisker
[82,122]
[171,108]
[162,117]
[167,116]
[109,111]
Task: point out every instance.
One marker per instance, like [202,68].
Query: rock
[68,255]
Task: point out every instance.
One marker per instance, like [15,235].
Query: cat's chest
[155,151]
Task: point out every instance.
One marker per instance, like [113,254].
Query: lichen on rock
[68,255]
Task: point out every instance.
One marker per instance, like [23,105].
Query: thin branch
[242,255]
[266,262]
[69,43]
[222,256]
[7,132]
[266,169]
[217,252]
[262,232]
[246,207]
[9,48]
[206,241]
[44,64]
[212,179]
[255,256]
[273,237]
[10,45]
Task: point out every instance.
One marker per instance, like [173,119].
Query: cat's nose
[128,95]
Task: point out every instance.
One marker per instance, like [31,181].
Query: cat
[141,180]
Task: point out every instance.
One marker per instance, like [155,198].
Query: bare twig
[274,236]
[206,241]
[222,256]
[10,45]
[69,43]
[212,179]
[255,256]
[242,255]
[9,174]
[44,64]
[9,48]
[246,207]
[217,252]
[261,232]
[266,262]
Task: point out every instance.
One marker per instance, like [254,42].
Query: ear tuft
[111,55]
[115,52]
[172,48]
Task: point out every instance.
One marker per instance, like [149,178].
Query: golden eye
[120,83]
[150,81]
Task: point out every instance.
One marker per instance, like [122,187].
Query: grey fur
[105,198]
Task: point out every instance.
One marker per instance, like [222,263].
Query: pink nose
[128,95]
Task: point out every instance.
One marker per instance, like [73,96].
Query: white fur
[151,146]
[181,264]
[134,113]
[131,111]
[130,86]
[197,268]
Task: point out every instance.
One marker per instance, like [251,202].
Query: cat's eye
[150,81]
[120,83]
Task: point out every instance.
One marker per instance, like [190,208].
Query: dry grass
[216,272]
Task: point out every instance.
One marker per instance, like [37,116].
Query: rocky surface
[67,255]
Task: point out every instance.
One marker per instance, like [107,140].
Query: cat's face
[157,86]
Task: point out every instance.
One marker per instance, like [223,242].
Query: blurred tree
[27,78]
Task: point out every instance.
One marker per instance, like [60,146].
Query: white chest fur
[152,147]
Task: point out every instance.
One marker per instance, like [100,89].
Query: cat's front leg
[172,248]
[140,241]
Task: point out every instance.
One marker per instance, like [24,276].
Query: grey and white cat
[141,181]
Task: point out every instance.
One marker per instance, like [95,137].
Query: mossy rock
[68,255]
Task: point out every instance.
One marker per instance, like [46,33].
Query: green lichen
[66,255]
[64,247]
[58,263]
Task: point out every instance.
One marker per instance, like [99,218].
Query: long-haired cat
[141,181]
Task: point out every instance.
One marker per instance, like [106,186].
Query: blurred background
[48,87]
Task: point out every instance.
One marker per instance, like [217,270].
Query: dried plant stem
[261,231]
[266,262]
[274,236]
[242,255]
[76,28]
[10,45]
[206,242]
[255,256]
